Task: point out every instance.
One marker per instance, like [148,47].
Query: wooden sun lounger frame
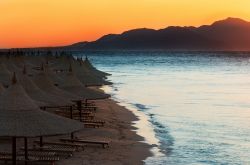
[73,112]
[82,146]
[105,144]
[58,151]
[85,108]
[94,121]
[92,125]
[88,103]
[32,158]
[77,117]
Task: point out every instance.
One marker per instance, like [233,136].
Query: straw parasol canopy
[4,75]
[61,63]
[73,85]
[1,88]
[89,77]
[56,79]
[12,67]
[27,65]
[37,94]
[86,77]
[35,60]
[92,69]
[18,60]
[45,84]
[21,117]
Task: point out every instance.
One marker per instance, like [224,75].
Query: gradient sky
[31,23]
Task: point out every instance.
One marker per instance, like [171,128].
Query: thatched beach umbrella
[4,75]
[19,60]
[39,95]
[92,69]
[1,88]
[35,60]
[73,85]
[11,66]
[44,83]
[21,117]
[61,63]
[16,65]
[56,78]
[86,77]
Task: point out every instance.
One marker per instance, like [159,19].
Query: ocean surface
[194,106]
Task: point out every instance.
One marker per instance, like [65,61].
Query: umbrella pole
[13,150]
[72,135]
[71,112]
[26,150]
[79,106]
[80,103]
[41,141]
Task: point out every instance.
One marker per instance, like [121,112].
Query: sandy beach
[122,82]
[125,147]
[113,124]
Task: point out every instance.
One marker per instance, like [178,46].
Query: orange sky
[31,23]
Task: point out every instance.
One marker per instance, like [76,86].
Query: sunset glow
[32,23]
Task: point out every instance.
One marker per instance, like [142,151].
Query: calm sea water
[197,104]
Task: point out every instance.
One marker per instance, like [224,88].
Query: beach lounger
[52,107]
[87,113]
[49,159]
[89,106]
[31,153]
[33,157]
[65,113]
[77,146]
[38,153]
[86,108]
[91,125]
[83,102]
[84,116]
[59,150]
[90,117]
[88,103]
[104,143]
[8,157]
[94,121]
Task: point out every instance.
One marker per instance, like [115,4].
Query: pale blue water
[198,104]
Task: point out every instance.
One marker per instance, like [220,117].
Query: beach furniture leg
[41,141]
[14,151]
[26,150]
[79,107]
[71,112]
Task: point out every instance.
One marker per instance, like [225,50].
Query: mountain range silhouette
[228,34]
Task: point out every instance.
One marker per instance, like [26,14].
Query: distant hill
[79,45]
[228,34]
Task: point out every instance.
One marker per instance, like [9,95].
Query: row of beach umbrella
[28,83]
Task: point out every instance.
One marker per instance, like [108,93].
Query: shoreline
[127,147]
